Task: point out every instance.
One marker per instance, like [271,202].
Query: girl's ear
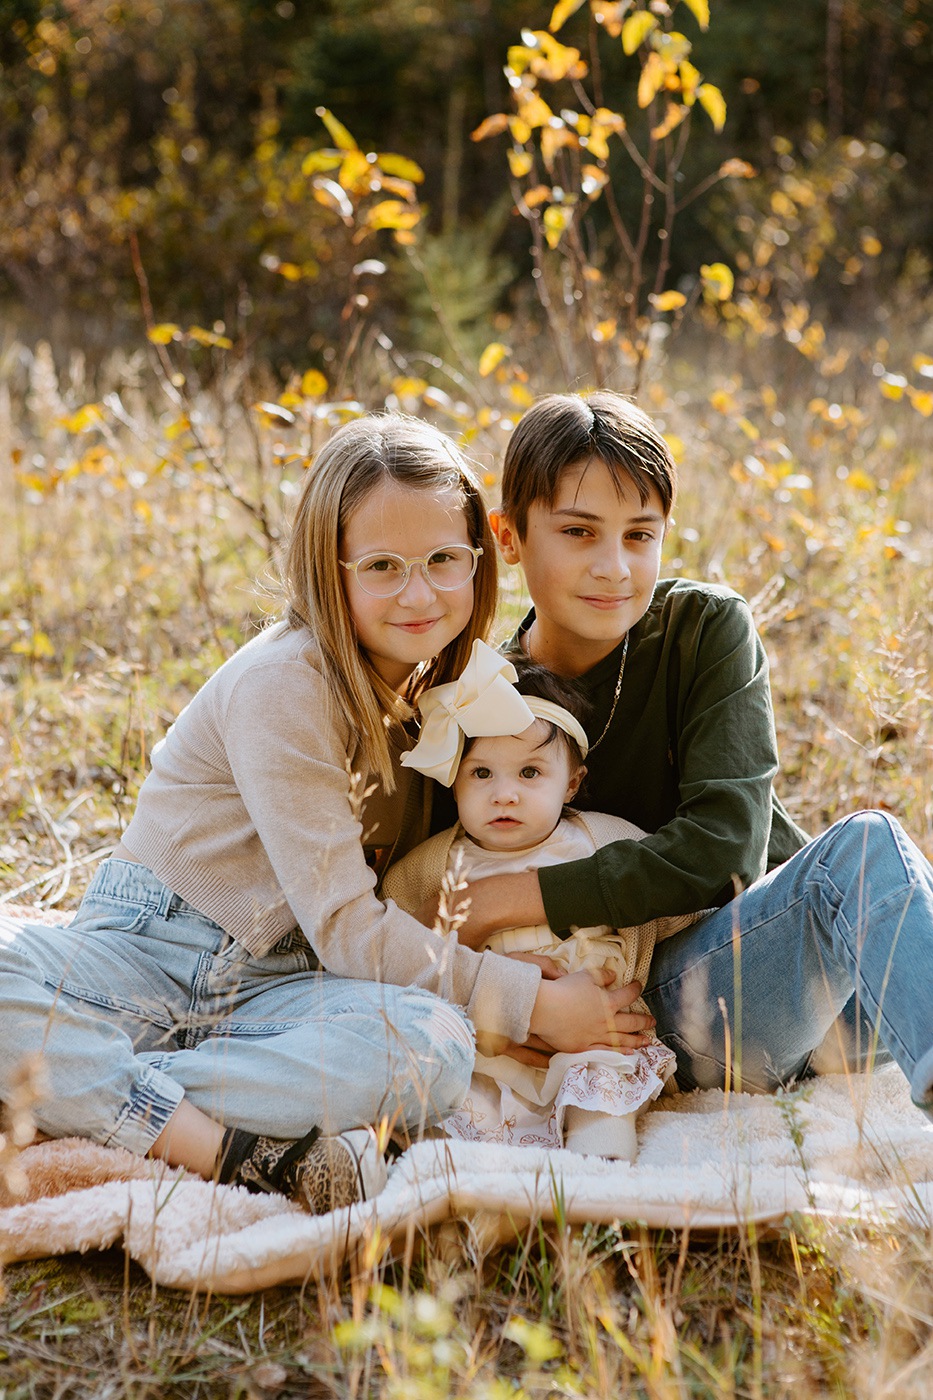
[573,787]
[506,536]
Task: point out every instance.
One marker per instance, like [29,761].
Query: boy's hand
[577,1013]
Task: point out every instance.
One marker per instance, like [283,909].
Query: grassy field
[138,551]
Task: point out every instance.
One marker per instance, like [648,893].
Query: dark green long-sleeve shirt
[690,756]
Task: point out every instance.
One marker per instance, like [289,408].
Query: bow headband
[482,703]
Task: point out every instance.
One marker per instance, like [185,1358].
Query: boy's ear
[573,787]
[506,536]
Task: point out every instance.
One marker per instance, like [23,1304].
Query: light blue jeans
[143,1001]
[843,930]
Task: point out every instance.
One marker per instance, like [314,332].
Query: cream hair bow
[482,703]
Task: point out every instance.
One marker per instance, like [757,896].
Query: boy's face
[510,789]
[591,561]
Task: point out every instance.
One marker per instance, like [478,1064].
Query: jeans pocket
[104,913]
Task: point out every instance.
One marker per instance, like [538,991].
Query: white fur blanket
[839,1147]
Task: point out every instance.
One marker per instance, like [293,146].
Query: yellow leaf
[553,60]
[749,429]
[356,172]
[492,126]
[713,104]
[539,195]
[290,271]
[142,509]
[722,401]
[735,169]
[675,115]
[518,57]
[922,400]
[492,357]
[332,196]
[677,446]
[923,364]
[668,301]
[401,166]
[339,134]
[562,12]
[553,138]
[592,180]
[689,82]
[871,246]
[534,110]
[408,387]
[520,395]
[653,76]
[313,384]
[202,337]
[521,131]
[275,413]
[606,330]
[520,162]
[557,218]
[718,281]
[636,29]
[38,646]
[82,419]
[774,542]
[289,399]
[315,161]
[163,333]
[859,480]
[893,386]
[700,11]
[392,213]
[608,14]
[176,429]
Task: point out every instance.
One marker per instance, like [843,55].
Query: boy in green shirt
[682,743]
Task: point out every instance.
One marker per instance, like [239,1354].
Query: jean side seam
[657,987]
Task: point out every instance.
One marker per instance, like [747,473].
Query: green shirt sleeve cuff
[573,896]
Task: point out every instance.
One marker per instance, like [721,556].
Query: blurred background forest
[186,122]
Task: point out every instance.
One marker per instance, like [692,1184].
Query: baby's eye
[482,772]
[530,771]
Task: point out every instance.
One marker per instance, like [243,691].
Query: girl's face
[400,632]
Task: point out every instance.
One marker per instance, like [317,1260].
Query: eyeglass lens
[385,574]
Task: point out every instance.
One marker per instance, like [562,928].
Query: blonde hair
[351,464]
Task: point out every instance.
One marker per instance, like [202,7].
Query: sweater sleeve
[289,762]
[724,745]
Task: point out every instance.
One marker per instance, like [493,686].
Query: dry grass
[128,570]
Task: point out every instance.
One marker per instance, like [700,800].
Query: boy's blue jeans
[758,984]
[143,1000]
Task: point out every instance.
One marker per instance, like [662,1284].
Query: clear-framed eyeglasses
[446,568]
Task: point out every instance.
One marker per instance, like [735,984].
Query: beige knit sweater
[246,814]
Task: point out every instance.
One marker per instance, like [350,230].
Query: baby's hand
[549,968]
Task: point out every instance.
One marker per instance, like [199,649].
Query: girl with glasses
[232,997]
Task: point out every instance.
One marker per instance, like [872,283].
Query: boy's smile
[591,561]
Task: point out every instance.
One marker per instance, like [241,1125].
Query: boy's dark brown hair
[564,429]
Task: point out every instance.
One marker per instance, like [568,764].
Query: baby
[514,755]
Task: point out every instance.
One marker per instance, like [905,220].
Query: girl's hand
[550,971]
[529,1053]
[577,1012]
[494,903]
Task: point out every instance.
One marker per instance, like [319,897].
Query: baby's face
[510,789]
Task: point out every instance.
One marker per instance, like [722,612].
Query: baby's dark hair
[535,680]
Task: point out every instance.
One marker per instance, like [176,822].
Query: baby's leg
[600,1134]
